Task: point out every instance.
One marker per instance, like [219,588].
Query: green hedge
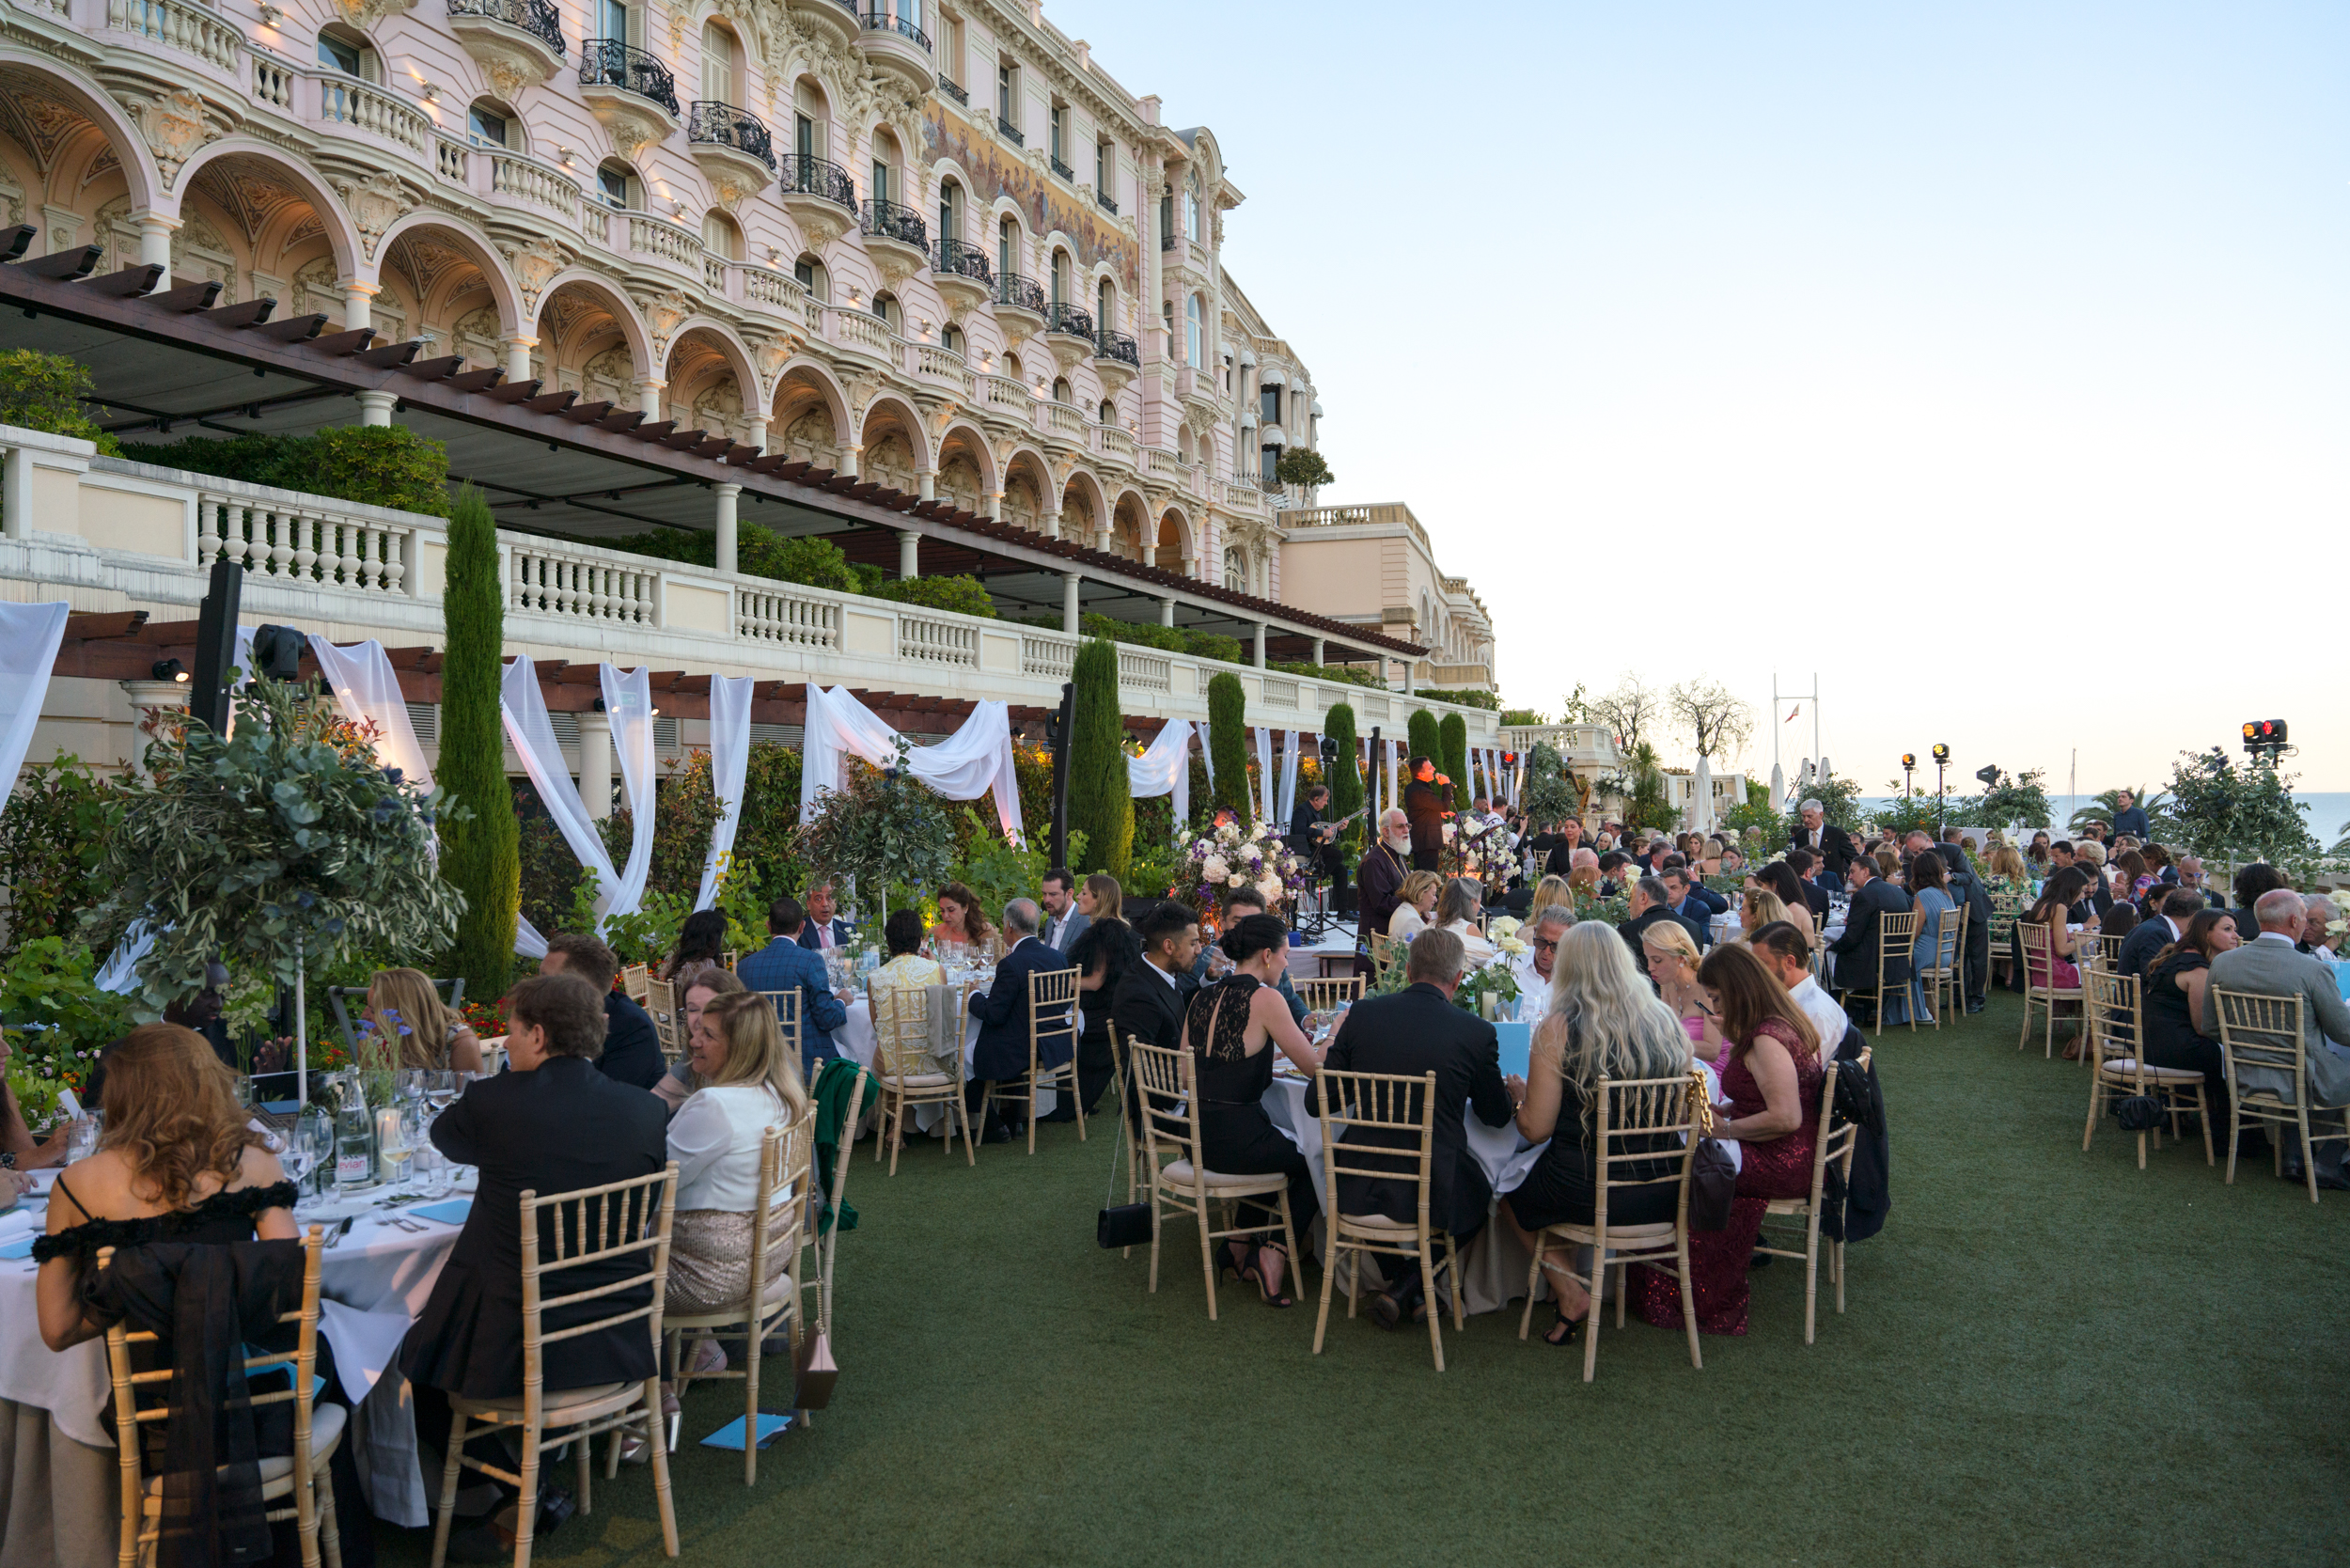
[1346,779]
[1347,674]
[1168,640]
[964,595]
[1228,737]
[1454,733]
[378,465]
[44,392]
[1490,701]
[1424,738]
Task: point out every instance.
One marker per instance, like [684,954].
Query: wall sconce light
[774,257]
[677,207]
[168,670]
[431,93]
[566,154]
[272,15]
[855,298]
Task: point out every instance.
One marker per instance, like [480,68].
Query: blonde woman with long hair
[750,1082]
[405,1007]
[1603,1023]
[1415,901]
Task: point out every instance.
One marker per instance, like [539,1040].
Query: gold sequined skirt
[710,1257]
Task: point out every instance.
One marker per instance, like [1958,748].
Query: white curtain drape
[532,733]
[964,766]
[29,638]
[368,692]
[1267,783]
[1288,775]
[1207,754]
[1395,762]
[628,703]
[1164,769]
[1370,781]
[729,762]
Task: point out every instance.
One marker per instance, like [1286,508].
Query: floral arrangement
[1477,855]
[1496,979]
[1229,856]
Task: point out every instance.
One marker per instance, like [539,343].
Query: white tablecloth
[372,1286]
[855,1040]
[1504,1156]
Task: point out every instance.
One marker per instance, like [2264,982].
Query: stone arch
[572,308]
[243,156]
[808,414]
[1131,533]
[33,90]
[966,468]
[1028,488]
[416,233]
[896,451]
[1175,529]
[936,177]
[712,385]
[1025,252]
[1099,274]
[1085,511]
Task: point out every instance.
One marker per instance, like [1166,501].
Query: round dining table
[382,1254]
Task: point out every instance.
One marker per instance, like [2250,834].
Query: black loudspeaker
[215,647]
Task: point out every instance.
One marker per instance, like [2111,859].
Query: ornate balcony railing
[610,63]
[891,221]
[1018,293]
[953,89]
[1063,170]
[1167,240]
[1117,346]
[1010,132]
[815,177]
[1106,203]
[1069,319]
[716,124]
[881,22]
[964,259]
[538,18]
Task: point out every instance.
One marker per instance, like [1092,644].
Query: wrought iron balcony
[1069,319]
[538,18]
[1018,293]
[1108,203]
[815,177]
[881,22]
[724,125]
[1010,132]
[1063,169]
[1117,346]
[1166,239]
[964,259]
[953,89]
[890,221]
[610,63]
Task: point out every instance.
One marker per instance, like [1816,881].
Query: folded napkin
[18,1222]
[451,1213]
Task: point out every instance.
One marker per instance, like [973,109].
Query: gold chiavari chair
[2040,987]
[2114,1026]
[1181,1183]
[1378,1103]
[1329,995]
[635,978]
[908,1073]
[1055,990]
[668,1024]
[787,1005]
[1940,973]
[1834,1147]
[2263,1033]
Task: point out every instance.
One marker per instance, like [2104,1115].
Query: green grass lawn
[2046,1357]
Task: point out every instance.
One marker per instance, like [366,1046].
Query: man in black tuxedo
[1857,949]
[1651,904]
[1805,866]
[1427,806]
[632,1049]
[1149,1004]
[1823,837]
[1001,1052]
[2148,937]
[1419,1030]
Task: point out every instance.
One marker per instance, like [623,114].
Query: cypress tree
[1454,732]
[1228,740]
[1101,797]
[1346,784]
[480,856]
[1424,740]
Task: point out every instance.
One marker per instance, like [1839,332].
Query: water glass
[81,1142]
[432,1171]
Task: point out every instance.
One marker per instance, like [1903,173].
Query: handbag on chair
[1713,1176]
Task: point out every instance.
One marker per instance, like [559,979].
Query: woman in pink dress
[1772,1112]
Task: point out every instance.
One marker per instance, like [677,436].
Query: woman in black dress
[1102,954]
[1231,1032]
[1604,1022]
[2174,1006]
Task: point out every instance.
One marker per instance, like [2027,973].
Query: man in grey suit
[2270,964]
[1063,924]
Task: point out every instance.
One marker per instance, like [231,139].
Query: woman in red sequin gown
[1773,1088]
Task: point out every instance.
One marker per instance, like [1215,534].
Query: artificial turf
[2047,1358]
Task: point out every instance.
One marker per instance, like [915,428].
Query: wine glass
[395,1145]
[441,1089]
[82,1141]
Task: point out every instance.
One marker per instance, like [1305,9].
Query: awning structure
[168,360]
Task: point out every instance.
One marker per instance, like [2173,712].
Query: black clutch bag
[1123,1225]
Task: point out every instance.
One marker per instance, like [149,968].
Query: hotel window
[1191,214]
[949,211]
[1191,330]
[1104,166]
[1269,400]
[485,126]
[612,186]
[1060,133]
[1006,248]
[1007,92]
[341,54]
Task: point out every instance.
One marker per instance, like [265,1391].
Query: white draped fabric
[29,638]
[1207,753]
[964,766]
[368,693]
[1267,784]
[533,735]
[1288,775]
[1164,769]
[1395,765]
[729,762]
[628,703]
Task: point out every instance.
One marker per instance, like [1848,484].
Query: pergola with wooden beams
[127,644]
[165,353]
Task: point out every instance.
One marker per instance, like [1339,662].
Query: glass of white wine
[397,1146]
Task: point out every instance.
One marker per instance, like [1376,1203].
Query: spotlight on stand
[2264,735]
[277,653]
[168,669]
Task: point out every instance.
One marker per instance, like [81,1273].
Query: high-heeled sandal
[1226,1263]
[1255,1275]
[1560,1320]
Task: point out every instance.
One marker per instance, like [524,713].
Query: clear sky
[1987,359]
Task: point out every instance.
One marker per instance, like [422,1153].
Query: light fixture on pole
[1942,761]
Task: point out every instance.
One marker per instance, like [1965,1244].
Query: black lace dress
[1236,1137]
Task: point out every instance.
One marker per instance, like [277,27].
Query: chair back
[2104,952]
[1329,995]
[1053,989]
[1629,1117]
[901,1030]
[786,1152]
[829,1237]
[1836,1143]
[634,978]
[661,1000]
[2039,954]
[728,958]
[2116,1028]
[1897,935]
[1170,1111]
[2259,1030]
[621,1223]
[1397,1105]
[130,1414]
[787,1005]
[1382,952]
[1948,926]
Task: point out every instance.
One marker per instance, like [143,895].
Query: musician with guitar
[1313,840]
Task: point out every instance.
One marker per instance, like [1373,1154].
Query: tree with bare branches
[1717,718]
[1632,711]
